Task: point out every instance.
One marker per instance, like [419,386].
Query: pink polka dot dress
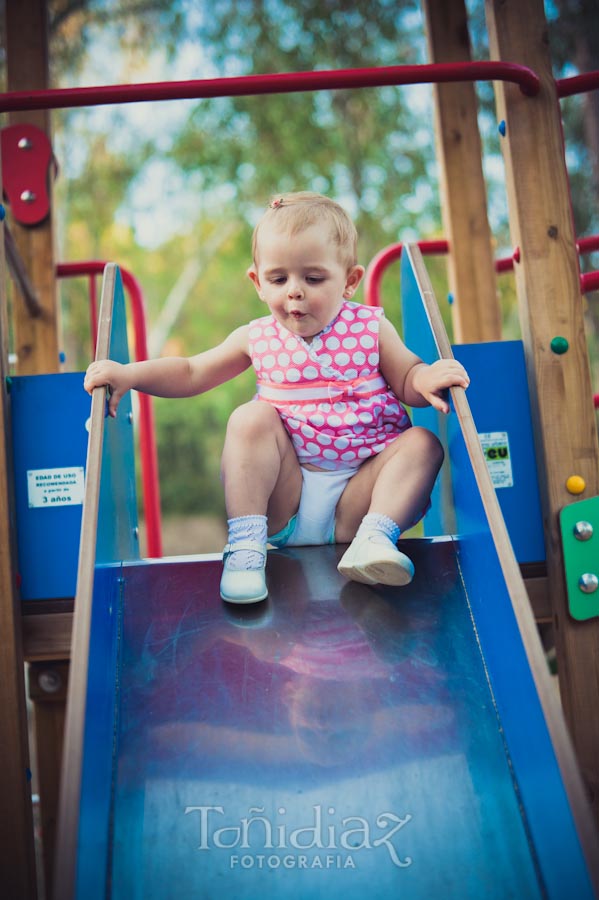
[334,402]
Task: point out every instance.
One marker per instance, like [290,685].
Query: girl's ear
[253,276]
[353,279]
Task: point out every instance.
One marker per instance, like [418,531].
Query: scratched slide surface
[336,741]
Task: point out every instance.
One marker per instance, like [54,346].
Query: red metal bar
[93,309]
[578,84]
[381,262]
[506,263]
[589,282]
[279,83]
[588,244]
[147,439]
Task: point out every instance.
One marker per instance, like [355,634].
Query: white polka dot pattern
[326,401]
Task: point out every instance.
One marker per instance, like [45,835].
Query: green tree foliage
[218,162]
[138,25]
[367,147]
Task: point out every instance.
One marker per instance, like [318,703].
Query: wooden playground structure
[549,295]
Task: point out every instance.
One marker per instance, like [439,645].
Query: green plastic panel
[581,557]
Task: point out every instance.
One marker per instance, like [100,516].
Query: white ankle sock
[377,522]
[247,528]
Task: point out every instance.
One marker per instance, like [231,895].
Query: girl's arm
[172,376]
[415,382]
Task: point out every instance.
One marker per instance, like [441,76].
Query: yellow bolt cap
[575,484]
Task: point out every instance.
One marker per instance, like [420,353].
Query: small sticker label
[496,448]
[49,488]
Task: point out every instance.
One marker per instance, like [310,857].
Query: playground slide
[337,740]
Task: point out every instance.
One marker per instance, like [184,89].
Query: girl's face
[302,279]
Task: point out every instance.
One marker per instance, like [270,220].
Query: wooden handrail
[72,759]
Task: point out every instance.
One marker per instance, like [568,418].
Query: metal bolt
[136,533]
[130,418]
[588,583]
[28,196]
[25,143]
[583,531]
[50,681]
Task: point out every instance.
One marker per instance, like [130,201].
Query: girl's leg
[397,483]
[262,481]
[391,491]
[259,467]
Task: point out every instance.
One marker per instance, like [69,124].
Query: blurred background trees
[171,191]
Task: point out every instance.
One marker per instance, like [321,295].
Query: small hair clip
[276,203]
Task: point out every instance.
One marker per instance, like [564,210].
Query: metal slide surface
[338,740]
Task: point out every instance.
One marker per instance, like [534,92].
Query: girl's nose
[294,290]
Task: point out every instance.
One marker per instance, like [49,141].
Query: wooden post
[476,311]
[48,690]
[36,339]
[547,280]
[17,853]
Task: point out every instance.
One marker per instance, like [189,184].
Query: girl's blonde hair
[294,212]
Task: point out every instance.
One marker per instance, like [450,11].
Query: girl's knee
[428,444]
[252,419]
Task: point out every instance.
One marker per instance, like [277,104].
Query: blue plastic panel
[49,415]
[498,398]
[499,402]
[117,518]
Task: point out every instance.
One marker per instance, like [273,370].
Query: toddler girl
[325,452]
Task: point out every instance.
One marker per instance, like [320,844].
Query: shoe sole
[377,572]
[244,600]
[355,574]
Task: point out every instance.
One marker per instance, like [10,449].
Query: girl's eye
[314,279]
[278,279]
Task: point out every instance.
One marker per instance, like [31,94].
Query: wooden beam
[17,853]
[36,338]
[47,636]
[476,312]
[547,280]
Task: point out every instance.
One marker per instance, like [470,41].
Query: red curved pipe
[381,262]
[578,84]
[278,83]
[147,439]
[588,244]
[589,282]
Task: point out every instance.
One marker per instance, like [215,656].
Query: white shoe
[243,585]
[372,558]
